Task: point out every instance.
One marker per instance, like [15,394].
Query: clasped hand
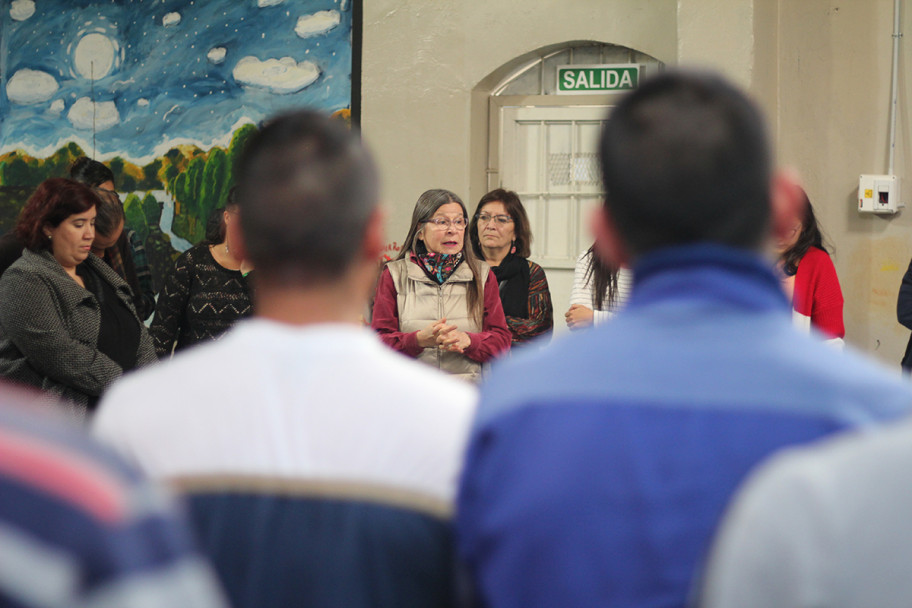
[578,316]
[445,337]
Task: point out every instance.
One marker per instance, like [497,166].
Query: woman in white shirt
[598,291]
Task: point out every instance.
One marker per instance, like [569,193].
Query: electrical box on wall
[878,194]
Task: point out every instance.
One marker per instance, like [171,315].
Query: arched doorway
[541,142]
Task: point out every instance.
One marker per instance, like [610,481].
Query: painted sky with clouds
[153,73]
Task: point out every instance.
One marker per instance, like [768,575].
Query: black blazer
[904,313]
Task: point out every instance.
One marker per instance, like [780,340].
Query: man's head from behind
[306,191]
[685,159]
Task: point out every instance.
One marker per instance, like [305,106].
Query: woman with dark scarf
[126,254]
[500,235]
[437,301]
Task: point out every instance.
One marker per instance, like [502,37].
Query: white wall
[834,82]
[422,61]
[820,69]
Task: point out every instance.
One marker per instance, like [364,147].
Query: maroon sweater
[493,339]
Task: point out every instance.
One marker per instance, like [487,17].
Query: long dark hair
[603,278]
[810,237]
[425,208]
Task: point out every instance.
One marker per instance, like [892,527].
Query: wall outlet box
[878,194]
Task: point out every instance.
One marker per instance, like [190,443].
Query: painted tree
[152,210]
[58,164]
[238,141]
[151,180]
[213,187]
[134,217]
[15,172]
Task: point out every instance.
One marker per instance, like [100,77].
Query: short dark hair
[521,230]
[685,159]
[306,188]
[110,212]
[53,201]
[90,172]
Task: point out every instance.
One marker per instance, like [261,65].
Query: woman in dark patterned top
[205,293]
[500,234]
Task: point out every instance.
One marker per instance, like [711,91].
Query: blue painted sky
[165,71]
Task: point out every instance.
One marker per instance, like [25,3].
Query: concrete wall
[819,68]
[422,60]
[834,83]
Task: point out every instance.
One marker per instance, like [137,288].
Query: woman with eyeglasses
[810,279]
[436,301]
[501,236]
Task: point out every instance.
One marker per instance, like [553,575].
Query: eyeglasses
[501,220]
[443,224]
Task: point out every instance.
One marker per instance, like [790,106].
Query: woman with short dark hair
[67,321]
[501,236]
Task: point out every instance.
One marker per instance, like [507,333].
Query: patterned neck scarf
[438,266]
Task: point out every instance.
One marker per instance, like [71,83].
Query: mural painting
[164,92]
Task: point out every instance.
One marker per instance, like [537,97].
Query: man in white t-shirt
[320,466]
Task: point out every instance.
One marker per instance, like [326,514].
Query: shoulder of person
[35,263]
[816,255]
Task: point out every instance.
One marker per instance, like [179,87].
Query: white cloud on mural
[20,10]
[142,102]
[105,114]
[217,54]
[317,23]
[94,56]
[56,107]
[281,76]
[171,19]
[262,3]
[27,87]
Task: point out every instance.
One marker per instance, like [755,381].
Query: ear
[374,241]
[608,243]
[786,203]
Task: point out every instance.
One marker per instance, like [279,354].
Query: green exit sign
[580,79]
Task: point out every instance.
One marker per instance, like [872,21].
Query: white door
[549,156]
